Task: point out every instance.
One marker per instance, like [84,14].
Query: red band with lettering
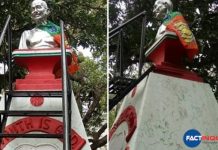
[41,124]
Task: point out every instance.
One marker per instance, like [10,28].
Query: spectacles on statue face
[38,12]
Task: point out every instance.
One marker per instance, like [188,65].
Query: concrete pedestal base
[157,113]
[51,125]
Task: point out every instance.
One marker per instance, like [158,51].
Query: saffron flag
[55,31]
[175,22]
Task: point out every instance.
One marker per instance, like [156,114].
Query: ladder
[120,85]
[65,94]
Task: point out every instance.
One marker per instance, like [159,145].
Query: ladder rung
[32,113]
[31,135]
[34,93]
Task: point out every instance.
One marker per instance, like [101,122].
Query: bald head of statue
[39,11]
[162,8]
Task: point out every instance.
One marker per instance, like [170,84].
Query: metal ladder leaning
[65,94]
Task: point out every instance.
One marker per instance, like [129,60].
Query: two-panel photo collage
[108,75]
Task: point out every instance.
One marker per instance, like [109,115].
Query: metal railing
[118,31]
[65,105]
[66,96]
[122,94]
[7,27]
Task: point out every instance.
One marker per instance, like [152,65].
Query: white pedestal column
[51,125]
[157,113]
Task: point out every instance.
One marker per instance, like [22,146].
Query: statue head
[39,11]
[162,8]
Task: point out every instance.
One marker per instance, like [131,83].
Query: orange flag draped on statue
[74,66]
[55,31]
[175,22]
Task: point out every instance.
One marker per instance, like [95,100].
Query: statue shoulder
[54,25]
[171,16]
[26,32]
[175,13]
[50,27]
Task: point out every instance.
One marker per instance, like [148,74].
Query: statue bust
[161,9]
[175,22]
[45,34]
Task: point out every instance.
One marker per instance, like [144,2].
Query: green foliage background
[203,23]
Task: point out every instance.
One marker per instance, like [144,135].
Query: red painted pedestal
[168,55]
[41,65]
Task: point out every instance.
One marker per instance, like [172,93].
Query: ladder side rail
[9,57]
[118,53]
[4,29]
[127,22]
[7,101]
[141,51]
[118,31]
[7,98]
[121,53]
[7,27]
[69,95]
[66,132]
[119,97]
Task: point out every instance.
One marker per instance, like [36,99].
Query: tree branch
[102,129]
[99,143]
[91,109]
